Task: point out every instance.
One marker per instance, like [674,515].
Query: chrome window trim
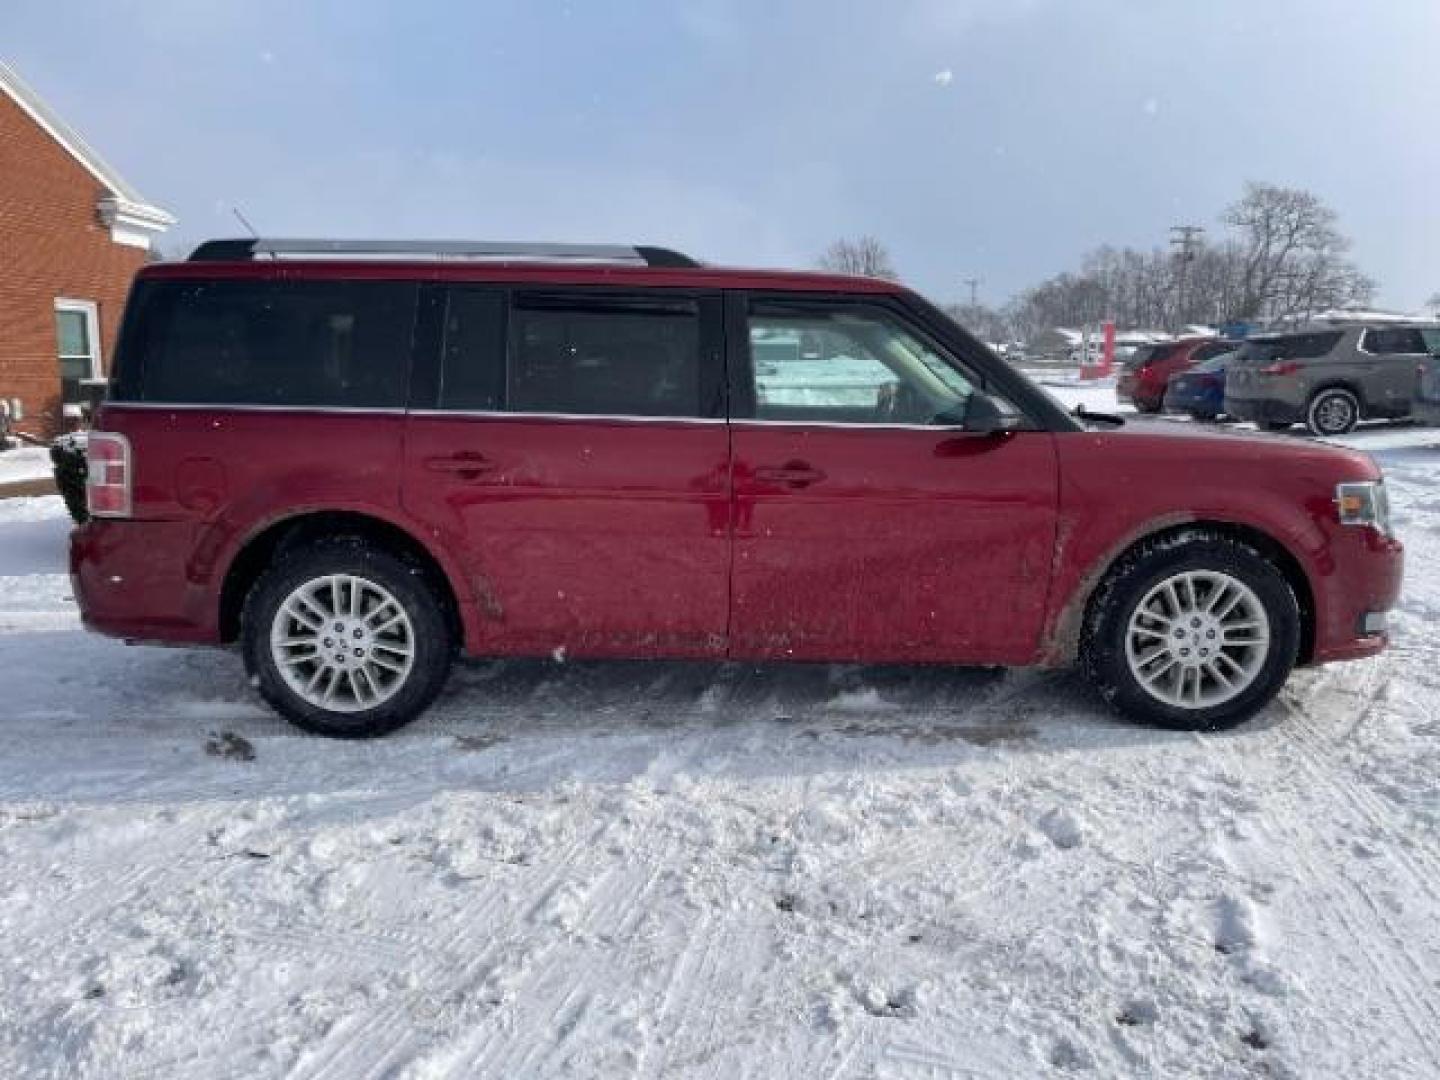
[501,414]
[492,414]
[193,406]
[846,424]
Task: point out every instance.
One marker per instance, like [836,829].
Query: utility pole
[1185,239]
[974,283]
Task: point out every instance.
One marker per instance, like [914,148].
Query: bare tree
[1293,256]
[984,322]
[1286,259]
[866,257]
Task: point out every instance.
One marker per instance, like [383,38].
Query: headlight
[1364,503]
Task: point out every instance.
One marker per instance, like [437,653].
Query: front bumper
[1364,579]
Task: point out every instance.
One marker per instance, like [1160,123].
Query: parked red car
[1148,369]
[355,460]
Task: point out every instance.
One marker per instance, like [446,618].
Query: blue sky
[757,132]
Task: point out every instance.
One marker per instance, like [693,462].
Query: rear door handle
[467,466]
[796,474]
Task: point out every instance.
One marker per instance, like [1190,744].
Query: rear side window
[328,344]
[1139,358]
[1304,346]
[592,355]
[1211,350]
[1395,339]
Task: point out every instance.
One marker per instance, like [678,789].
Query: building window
[77,335]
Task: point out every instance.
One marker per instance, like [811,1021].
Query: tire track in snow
[1422,866]
[1352,909]
[377,1042]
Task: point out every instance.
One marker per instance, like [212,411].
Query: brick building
[72,235]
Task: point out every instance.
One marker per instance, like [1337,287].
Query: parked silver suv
[1330,378]
[1427,388]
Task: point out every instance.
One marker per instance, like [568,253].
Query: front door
[869,525]
[574,454]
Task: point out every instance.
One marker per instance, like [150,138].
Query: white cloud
[944,78]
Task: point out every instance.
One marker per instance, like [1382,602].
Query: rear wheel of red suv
[346,639]
[1196,630]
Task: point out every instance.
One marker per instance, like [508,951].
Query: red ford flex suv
[357,459]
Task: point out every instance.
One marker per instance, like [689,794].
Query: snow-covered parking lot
[687,870]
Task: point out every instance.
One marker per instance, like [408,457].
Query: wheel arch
[1063,646]
[268,542]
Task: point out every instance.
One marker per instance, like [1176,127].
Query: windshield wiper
[1083,414]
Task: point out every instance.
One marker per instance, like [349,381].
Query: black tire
[1205,417]
[1332,411]
[1146,407]
[1102,649]
[434,641]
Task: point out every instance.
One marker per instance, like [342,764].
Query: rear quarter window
[327,344]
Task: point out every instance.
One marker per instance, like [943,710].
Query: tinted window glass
[1211,350]
[472,374]
[1307,346]
[1395,339]
[1215,363]
[1430,338]
[330,344]
[597,356]
[1139,358]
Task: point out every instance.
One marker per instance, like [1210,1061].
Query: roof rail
[264,247]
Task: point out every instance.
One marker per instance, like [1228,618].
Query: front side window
[277,343]
[77,338]
[850,364]
[596,356]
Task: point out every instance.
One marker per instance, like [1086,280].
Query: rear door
[1395,352]
[869,525]
[571,447]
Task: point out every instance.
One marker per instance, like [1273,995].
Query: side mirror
[983,416]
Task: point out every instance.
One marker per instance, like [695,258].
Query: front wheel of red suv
[346,639]
[1196,630]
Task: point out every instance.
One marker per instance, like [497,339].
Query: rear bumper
[131,580]
[1264,410]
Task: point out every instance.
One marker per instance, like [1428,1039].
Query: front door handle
[466,465]
[796,474]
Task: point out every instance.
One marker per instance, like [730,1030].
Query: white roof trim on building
[130,219]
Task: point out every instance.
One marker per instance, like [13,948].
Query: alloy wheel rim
[342,643]
[1198,639]
[1333,413]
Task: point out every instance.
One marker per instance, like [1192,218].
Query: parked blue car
[1200,390]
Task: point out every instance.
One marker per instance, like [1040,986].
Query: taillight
[1280,367]
[108,474]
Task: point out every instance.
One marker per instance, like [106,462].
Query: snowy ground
[22,464]
[688,870]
